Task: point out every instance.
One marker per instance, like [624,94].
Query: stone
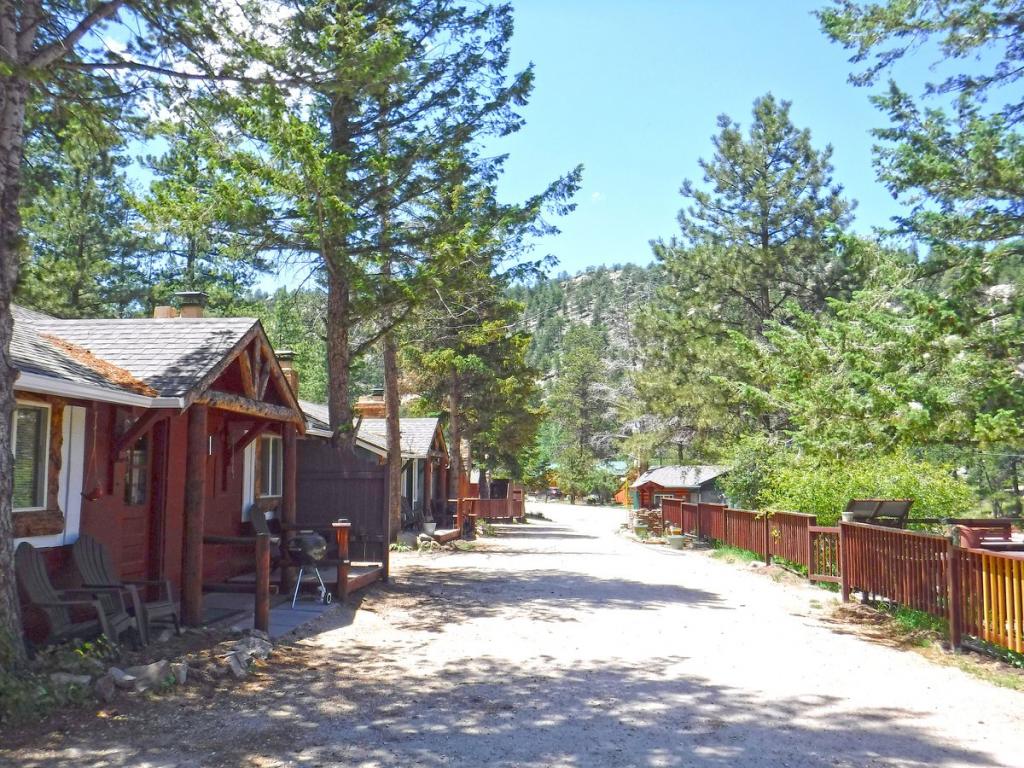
[407,538]
[165,635]
[66,678]
[150,675]
[424,538]
[180,671]
[260,634]
[104,689]
[236,666]
[252,647]
[121,678]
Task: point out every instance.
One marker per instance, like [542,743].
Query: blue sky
[632,90]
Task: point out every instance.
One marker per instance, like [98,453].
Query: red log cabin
[149,434]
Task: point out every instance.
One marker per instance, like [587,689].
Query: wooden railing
[978,593]
[988,590]
[490,509]
[823,554]
[903,567]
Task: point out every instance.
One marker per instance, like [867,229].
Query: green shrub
[824,488]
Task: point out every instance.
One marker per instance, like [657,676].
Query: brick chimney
[286,359]
[193,303]
[372,406]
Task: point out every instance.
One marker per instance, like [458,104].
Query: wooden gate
[329,488]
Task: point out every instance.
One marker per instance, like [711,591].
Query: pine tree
[759,237]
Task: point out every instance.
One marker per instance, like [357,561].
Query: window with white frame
[271,466]
[31,443]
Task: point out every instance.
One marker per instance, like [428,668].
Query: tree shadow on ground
[349,708]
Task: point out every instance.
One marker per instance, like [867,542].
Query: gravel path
[563,644]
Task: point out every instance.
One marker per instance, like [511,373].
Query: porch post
[195,516]
[428,489]
[288,510]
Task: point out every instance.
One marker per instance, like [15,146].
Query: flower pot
[429,528]
[676,542]
[640,529]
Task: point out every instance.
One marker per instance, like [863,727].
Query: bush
[824,488]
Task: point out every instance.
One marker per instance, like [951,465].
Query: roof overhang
[48,385]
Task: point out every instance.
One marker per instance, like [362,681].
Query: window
[136,481]
[31,443]
[271,466]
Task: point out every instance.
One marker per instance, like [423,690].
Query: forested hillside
[605,297]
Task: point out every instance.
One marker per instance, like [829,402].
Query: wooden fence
[979,593]
[491,509]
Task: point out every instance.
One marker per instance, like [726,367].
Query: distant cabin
[695,483]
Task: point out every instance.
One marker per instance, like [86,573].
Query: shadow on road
[353,711]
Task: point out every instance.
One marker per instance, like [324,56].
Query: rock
[121,678]
[236,666]
[260,634]
[252,647]
[65,678]
[165,635]
[180,672]
[150,675]
[104,688]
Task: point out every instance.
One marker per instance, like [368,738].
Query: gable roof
[144,361]
[680,476]
[417,434]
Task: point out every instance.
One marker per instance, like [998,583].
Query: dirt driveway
[563,644]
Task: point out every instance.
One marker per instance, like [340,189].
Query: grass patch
[484,528]
[464,546]
[731,554]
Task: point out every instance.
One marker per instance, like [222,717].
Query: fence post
[767,540]
[261,619]
[342,531]
[844,571]
[953,595]
[700,518]
[810,550]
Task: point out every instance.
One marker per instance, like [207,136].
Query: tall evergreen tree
[760,236]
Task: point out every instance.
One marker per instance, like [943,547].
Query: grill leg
[298,583]
[323,587]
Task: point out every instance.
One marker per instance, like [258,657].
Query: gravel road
[563,643]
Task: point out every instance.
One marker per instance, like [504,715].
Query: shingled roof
[152,357]
[680,476]
[417,434]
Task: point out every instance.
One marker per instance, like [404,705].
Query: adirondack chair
[97,570]
[112,618]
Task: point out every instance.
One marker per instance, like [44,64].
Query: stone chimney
[193,303]
[372,406]
[164,312]
[286,359]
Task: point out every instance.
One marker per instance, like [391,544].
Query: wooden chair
[97,570]
[112,617]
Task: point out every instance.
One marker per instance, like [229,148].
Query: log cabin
[692,483]
[150,435]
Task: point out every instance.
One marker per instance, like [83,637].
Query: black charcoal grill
[309,549]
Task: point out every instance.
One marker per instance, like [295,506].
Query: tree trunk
[393,404]
[339,358]
[455,436]
[483,486]
[13,94]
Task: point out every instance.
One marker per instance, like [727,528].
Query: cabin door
[136,519]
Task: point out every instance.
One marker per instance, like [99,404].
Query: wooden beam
[245,366]
[238,404]
[140,427]
[195,515]
[288,494]
[233,449]
[257,366]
